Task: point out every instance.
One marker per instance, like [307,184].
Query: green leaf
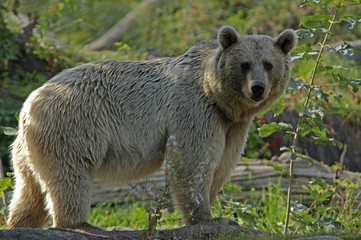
[288,149]
[5,184]
[314,195]
[340,67]
[304,129]
[44,25]
[325,196]
[324,140]
[314,21]
[268,129]
[307,217]
[308,159]
[279,106]
[318,181]
[9,131]
[276,167]
[297,149]
[355,83]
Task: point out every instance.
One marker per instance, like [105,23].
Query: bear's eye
[245,66]
[268,66]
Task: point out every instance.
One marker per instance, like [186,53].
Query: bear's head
[251,72]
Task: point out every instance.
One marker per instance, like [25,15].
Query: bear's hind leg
[27,207]
[69,198]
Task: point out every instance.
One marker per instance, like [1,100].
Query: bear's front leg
[192,169]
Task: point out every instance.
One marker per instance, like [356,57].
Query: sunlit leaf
[297,83]
[298,207]
[276,167]
[341,67]
[295,56]
[344,50]
[303,33]
[308,159]
[314,21]
[9,131]
[285,149]
[324,140]
[268,129]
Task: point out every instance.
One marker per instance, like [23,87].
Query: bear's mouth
[257,99]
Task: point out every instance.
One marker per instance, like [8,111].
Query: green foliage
[257,147]
[28,57]
[263,214]
[5,184]
[278,168]
[268,129]
[131,215]
[335,206]
[317,100]
[111,215]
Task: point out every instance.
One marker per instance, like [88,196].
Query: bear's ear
[227,36]
[287,40]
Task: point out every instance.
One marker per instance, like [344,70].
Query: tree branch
[116,33]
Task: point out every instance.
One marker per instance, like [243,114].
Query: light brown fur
[111,120]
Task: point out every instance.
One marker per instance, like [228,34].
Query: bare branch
[116,33]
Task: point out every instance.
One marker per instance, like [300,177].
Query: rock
[320,238]
[188,232]
[35,233]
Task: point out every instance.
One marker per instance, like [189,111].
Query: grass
[338,216]
[132,214]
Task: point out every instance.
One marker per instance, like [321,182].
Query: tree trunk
[116,33]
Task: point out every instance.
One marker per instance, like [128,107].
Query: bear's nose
[257,89]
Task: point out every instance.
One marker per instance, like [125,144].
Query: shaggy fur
[111,120]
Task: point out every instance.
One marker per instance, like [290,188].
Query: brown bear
[111,120]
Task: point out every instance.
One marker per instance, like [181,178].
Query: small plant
[262,214]
[5,183]
[133,214]
[318,98]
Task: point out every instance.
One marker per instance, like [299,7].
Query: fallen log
[252,176]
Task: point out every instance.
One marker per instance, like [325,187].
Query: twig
[342,159]
[295,138]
